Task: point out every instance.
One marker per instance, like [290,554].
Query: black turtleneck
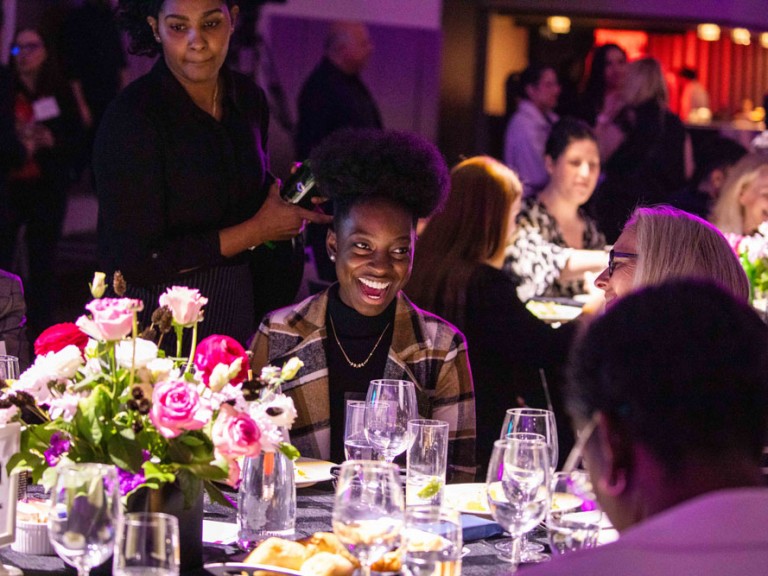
[358,335]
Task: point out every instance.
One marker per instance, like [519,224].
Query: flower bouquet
[97,392]
[753,255]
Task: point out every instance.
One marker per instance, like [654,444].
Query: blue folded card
[476,528]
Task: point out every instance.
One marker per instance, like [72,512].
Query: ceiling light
[559,24]
[708,32]
[764,39]
[741,36]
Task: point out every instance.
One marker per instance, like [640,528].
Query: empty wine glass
[531,421]
[518,488]
[356,443]
[85,511]
[390,404]
[368,510]
[573,521]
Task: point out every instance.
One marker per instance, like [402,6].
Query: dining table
[314,507]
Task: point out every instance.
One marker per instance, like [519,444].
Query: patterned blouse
[540,252]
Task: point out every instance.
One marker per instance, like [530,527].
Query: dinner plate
[467,498]
[237,569]
[553,311]
[309,471]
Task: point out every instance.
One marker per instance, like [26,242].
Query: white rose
[160,368]
[146,352]
[62,365]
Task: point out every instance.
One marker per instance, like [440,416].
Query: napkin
[476,528]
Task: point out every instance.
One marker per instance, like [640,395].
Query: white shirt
[524,144]
[723,533]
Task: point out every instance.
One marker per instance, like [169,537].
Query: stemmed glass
[368,510]
[573,521]
[518,488]
[531,421]
[85,511]
[390,404]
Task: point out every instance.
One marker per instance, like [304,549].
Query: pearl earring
[157,37]
[332,258]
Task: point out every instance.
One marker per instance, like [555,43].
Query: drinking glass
[531,421]
[432,541]
[368,510]
[356,444]
[573,521]
[390,404]
[518,488]
[147,544]
[9,367]
[427,461]
[85,511]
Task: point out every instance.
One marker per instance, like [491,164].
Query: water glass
[356,444]
[432,541]
[390,404]
[147,544]
[573,521]
[368,510]
[9,368]
[427,461]
[85,512]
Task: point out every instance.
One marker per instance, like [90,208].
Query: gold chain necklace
[215,98]
[364,362]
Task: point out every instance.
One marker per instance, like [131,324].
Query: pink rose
[112,318]
[176,407]
[58,337]
[235,434]
[185,304]
[215,350]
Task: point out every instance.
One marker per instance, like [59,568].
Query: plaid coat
[425,349]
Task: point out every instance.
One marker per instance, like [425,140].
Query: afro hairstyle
[354,165]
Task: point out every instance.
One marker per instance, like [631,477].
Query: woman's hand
[276,220]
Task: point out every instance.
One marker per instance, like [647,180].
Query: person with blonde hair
[646,152]
[743,202]
[660,243]
[457,275]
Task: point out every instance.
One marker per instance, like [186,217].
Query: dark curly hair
[354,165]
[132,17]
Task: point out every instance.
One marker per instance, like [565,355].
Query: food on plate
[33,511]
[322,554]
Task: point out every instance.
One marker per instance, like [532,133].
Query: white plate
[467,498]
[309,471]
[553,311]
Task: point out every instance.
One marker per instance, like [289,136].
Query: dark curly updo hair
[132,17]
[355,165]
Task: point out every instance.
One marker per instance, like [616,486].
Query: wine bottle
[300,187]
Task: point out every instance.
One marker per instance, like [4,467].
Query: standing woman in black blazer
[181,165]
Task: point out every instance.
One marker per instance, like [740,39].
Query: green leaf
[216,495]
[190,440]
[125,453]
[290,451]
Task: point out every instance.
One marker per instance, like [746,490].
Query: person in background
[334,96]
[48,125]
[556,240]
[713,164]
[660,243]
[457,275]
[743,202]
[646,151]
[364,327]
[13,322]
[181,165]
[669,390]
[694,100]
[529,127]
[602,97]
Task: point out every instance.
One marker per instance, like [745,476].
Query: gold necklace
[364,362]
[215,98]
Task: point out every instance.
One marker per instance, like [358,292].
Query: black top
[507,347]
[331,99]
[358,335]
[169,176]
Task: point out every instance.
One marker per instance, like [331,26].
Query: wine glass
[390,404]
[573,521]
[531,421]
[147,543]
[356,444]
[85,511]
[368,509]
[518,488]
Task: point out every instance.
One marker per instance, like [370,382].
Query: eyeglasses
[26,48]
[612,255]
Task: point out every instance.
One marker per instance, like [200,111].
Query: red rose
[59,336]
[215,350]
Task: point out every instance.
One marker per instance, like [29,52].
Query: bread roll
[278,552]
[327,564]
[328,542]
